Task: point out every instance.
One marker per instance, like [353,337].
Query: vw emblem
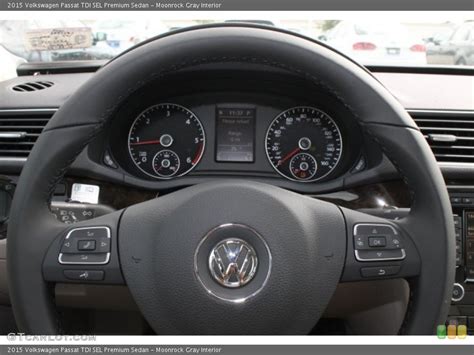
[233,263]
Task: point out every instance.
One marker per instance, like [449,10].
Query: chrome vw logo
[233,263]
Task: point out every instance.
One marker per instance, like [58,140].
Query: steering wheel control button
[360,242]
[83,259]
[84,275]
[103,245]
[374,229]
[379,271]
[377,242]
[69,246]
[233,263]
[91,232]
[380,255]
[86,245]
[458,293]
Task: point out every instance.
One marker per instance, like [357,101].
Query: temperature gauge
[166,163]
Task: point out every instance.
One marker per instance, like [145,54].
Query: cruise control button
[89,258]
[377,255]
[84,275]
[377,242]
[86,245]
[379,271]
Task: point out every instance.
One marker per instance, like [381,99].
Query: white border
[252,340]
[415,16]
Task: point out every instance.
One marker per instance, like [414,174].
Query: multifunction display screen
[235,138]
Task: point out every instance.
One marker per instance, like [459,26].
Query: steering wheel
[232,256]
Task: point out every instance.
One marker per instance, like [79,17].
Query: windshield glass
[403,43]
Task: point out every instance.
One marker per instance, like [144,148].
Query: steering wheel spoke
[377,248]
[85,252]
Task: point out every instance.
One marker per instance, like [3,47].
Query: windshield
[403,43]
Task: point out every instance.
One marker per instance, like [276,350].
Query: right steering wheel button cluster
[377,242]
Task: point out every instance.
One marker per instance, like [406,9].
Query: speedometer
[303,144]
[166,141]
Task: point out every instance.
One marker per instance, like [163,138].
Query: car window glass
[359,39]
[461,35]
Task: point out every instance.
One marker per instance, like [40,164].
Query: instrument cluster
[275,130]
[168,140]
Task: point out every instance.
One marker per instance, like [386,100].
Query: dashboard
[266,127]
[270,127]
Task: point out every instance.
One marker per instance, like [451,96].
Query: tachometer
[303,144]
[166,141]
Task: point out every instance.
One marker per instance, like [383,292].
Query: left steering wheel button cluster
[88,245]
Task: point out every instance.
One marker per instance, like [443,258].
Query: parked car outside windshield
[403,43]
[377,43]
[457,49]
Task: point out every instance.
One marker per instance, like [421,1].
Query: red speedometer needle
[288,156]
[156,141]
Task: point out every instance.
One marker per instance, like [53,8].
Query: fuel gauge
[303,166]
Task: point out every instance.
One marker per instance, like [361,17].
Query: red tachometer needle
[156,141]
[288,156]
[198,155]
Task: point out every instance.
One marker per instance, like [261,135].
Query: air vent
[32,86]
[19,130]
[449,133]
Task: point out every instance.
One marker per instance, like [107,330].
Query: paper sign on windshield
[58,38]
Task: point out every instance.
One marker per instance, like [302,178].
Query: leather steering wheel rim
[32,228]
